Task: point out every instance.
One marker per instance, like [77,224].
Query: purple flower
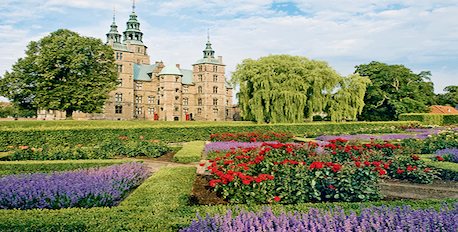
[449,154]
[82,188]
[371,219]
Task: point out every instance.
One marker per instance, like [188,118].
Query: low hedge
[22,167]
[36,137]
[447,170]
[159,204]
[191,152]
[431,119]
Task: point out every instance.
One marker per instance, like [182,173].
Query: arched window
[199,89]
[199,101]
[215,101]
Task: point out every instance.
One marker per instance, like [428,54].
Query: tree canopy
[395,89]
[450,97]
[283,88]
[62,71]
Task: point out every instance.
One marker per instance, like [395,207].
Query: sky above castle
[420,34]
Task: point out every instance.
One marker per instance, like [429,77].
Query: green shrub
[413,169]
[444,139]
[22,167]
[431,119]
[90,136]
[447,170]
[191,152]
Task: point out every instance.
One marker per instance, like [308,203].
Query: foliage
[412,168]
[62,71]
[261,136]
[443,140]
[447,170]
[449,154]
[23,167]
[35,134]
[191,152]
[395,89]
[117,147]
[283,88]
[431,119]
[450,97]
[370,219]
[16,112]
[84,188]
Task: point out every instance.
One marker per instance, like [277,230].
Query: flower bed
[414,134]
[83,188]
[292,173]
[370,219]
[257,136]
[448,154]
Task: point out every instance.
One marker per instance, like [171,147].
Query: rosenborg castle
[156,91]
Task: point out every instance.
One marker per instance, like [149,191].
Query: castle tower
[211,98]
[113,35]
[133,38]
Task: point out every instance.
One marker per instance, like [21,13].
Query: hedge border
[29,166]
[430,119]
[191,152]
[159,204]
[191,132]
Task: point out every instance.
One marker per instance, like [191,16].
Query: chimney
[178,66]
[220,59]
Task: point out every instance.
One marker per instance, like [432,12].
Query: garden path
[437,190]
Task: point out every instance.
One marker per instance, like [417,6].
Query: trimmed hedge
[22,167]
[431,119]
[159,204]
[191,152]
[36,137]
[447,170]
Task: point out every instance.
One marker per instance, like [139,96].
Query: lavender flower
[449,154]
[82,188]
[416,134]
[370,219]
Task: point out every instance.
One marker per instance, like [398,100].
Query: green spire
[133,34]
[208,52]
[113,34]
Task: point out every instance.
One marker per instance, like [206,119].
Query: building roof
[142,72]
[187,76]
[208,60]
[171,70]
[436,109]
[120,47]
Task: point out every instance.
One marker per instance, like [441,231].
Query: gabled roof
[142,72]
[187,76]
[436,109]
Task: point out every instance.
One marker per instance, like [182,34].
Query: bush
[23,167]
[109,149]
[431,119]
[256,136]
[447,170]
[95,135]
[191,152]
[443,140]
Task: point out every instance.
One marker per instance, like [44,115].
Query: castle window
[215,101]
[185,89]
[177,79]
[215,68]
[215,89]
[138,110]
[118,97]
[176,98]
[199,110]
[185,101]
[138,99]
[150,99]
[118,55]
[215,110]
[200,77]
[176,108]
[119,82]
[138,85]
[185,110]
[120,68]
[200,68]
[118,109]
[215,78]
[227,102]
[227,113]
[199,89]
[199,101]
[177,90]
[150,110]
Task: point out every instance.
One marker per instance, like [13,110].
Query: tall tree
[395,89]
[450,97]
[283,88]
[62,71]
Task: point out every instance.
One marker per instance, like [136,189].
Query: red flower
[358,164]
[277,198]
[367,163]
[376,163]
[331,187]
[399,171]
[316,165]
[410,168]
[427,170]
[202,164]
[289,150]
[214,182]
[439,158]
[246,182]
[415,157]
[336,167]
[381,172]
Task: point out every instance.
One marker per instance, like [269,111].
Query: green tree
[283,88]
[62,71]
[395,89]
[450,97]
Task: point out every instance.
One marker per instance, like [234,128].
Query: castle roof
[171,70]
[187,76]
[142,72]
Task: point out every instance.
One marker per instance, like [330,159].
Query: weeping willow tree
[283,88]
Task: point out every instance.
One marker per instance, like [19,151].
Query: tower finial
[133,6]
[208,34]
[114,14]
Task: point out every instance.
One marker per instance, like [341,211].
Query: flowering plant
[256,136]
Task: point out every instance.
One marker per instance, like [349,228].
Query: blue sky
[420,34]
